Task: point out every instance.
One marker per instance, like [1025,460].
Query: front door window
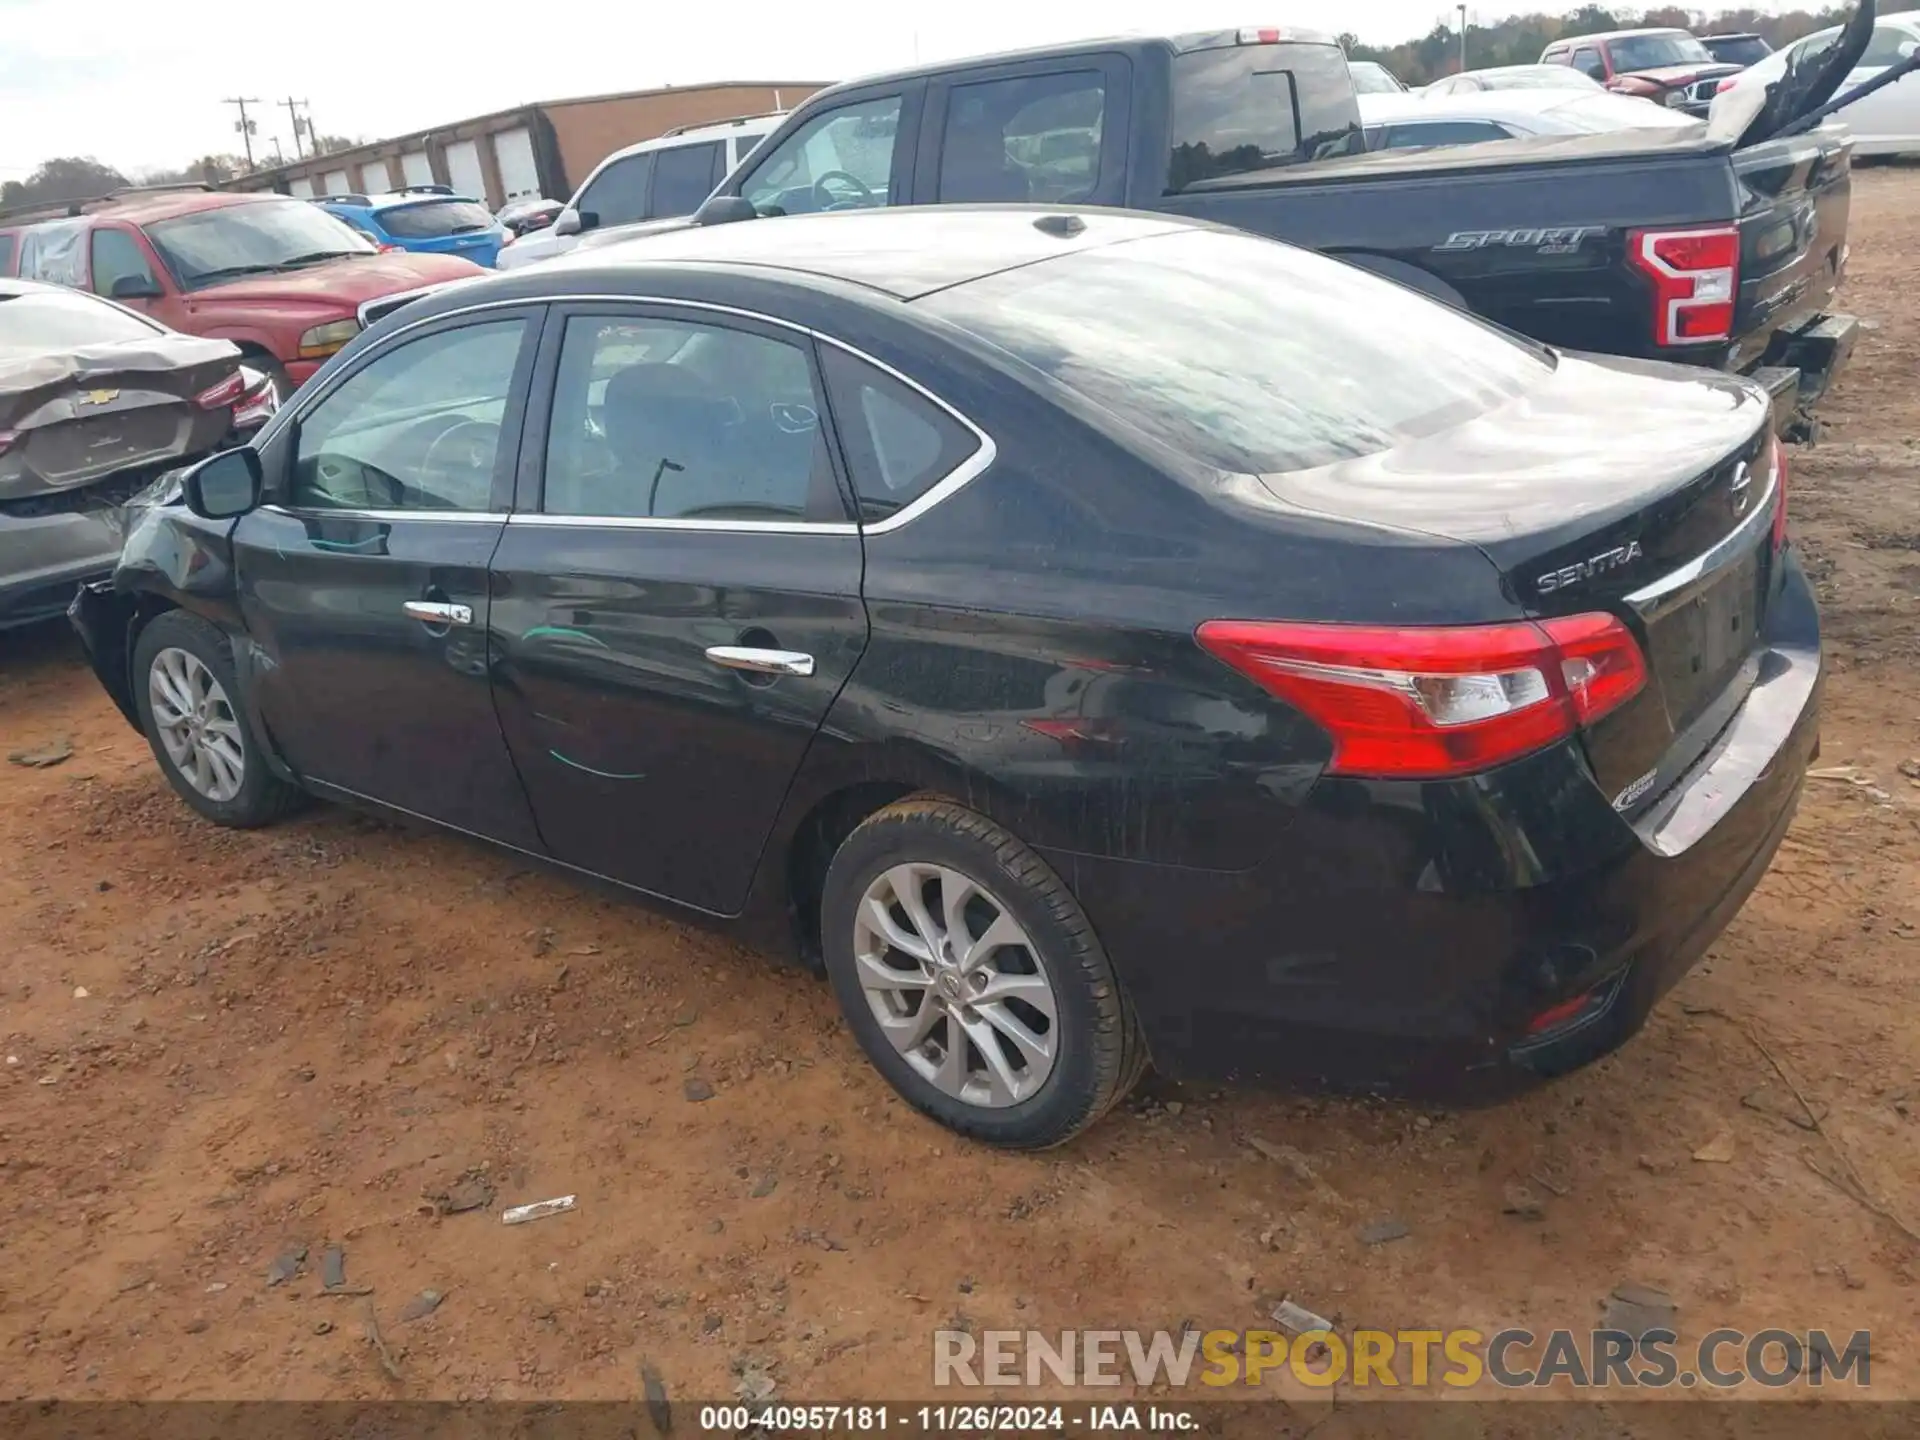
[416,429]
[841,160]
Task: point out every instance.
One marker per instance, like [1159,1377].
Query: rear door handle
[761,662]
[438,612]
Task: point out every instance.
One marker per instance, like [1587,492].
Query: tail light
[7,437]
[1777,457]
[224,394]
[1433,702]
[390,249]
[1725,85]
[1696,278]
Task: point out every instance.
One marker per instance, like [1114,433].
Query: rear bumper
[1800,365]
[1404,935]
[44,558]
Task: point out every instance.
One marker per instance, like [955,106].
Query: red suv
[279,277]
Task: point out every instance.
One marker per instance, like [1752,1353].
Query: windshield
[1649,52]
[31,324]
[1372,79]
[1249,357]
[1254,107]
[432,219]
[235,240]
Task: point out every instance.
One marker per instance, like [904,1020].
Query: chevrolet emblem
[100,397]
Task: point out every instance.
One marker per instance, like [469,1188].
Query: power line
[246,127]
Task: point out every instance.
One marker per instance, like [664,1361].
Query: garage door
[416,167]
[513,153]
[463,169]
[373,177]
[301,186]
[337,182]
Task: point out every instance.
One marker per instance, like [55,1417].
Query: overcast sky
[139,83]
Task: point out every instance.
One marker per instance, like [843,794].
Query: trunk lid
[79,417]
[1663,520]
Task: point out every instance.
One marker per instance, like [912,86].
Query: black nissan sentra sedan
[1094,638]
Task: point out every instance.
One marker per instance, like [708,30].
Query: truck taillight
[1428,702]
[1696,279]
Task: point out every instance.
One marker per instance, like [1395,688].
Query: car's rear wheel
[973,979]
[188,697]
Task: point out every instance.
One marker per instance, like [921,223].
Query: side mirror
[568,222]
[724,210]
[135,287]
[223,486]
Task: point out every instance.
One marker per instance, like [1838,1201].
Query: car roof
[1132,44]
[145,209]
[394,199]
[905,253]
[1625,34]
[696,135]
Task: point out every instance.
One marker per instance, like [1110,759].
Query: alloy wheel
[956,985]
[197,724]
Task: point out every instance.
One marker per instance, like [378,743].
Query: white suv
[654,180]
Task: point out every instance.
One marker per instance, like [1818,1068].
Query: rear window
[30,324]
[433,219]
[1743,50]
[1255,107]
[1247,356]
[6,254]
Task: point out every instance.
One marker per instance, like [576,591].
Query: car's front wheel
[973,979]
[183,681]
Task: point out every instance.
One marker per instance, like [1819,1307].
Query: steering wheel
[827,200]
[461,449]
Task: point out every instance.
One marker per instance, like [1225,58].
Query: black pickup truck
[1651,243]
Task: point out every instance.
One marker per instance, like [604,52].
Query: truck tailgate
[1794,196]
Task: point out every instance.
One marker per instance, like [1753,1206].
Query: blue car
[428,218]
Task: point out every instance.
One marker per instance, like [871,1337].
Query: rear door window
[435,219]
[6,254]
[618,194]
[683,177]
[1245,108]
[898,443]
[55,252]
[1025,138]
[1588,62]
[669,419]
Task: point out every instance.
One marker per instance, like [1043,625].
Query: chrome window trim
[663,522]
[1722,552]
[316,512]
[950,484]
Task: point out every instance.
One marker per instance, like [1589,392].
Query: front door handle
[761,662]
[438,612]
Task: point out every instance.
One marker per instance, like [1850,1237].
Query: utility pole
[1463,37]
[245,126]
[298,125]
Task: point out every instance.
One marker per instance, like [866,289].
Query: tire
[184,685]
[1090,1050]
